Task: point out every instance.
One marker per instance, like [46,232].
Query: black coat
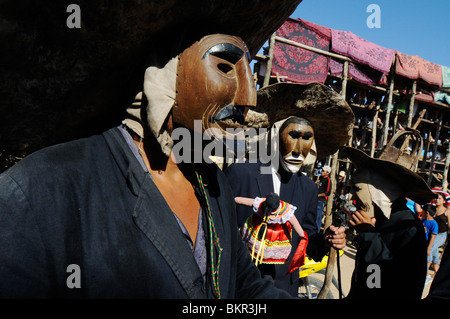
[391,261]
[247,180]
[90,204]
[440,287]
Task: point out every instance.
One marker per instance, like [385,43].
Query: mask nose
[298,147]
[246,91]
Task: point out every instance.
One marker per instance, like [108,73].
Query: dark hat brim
[413,184]
[78,81]
[330,115]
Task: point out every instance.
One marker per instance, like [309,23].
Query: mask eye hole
[225,51]
[300,135]
[225,68]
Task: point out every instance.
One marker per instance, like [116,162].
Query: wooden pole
[344,94]
[329,214]
[344,80]
[426,149]
[388,110]
[329,273]
[411,103]
[307,47]
[374,130]
[447,163]
[394,124]
[438,131]
[334,169]
[269,61]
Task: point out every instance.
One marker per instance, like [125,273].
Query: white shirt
[276,178]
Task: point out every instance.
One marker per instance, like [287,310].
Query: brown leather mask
[214,83]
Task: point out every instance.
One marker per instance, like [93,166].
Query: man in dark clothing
[391,246]
[117,215]
[297,135]
[88,212]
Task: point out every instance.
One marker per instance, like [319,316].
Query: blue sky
[413,27]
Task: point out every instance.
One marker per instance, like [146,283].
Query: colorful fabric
[299,257]
[268,236]
[442,97]
[361,50]
[300,65]
[445,76]
[360,73]
[414,67]
[280,216]
[267,244]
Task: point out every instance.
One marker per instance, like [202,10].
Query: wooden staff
[328,274]
[328,221]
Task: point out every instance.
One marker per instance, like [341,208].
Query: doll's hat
[414,186]
[330,115]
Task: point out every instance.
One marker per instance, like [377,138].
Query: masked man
[391,260]
[297,135]
[117,215]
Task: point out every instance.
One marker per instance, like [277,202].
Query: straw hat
[414,186]
[331,117]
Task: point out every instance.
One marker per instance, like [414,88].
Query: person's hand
[362,222]
[336,237]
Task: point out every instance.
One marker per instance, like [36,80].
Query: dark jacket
[297,189]
[89,203]
[392,258]
[440,287]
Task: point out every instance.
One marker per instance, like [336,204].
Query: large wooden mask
[214,83]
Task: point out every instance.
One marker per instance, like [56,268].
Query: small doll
[268,232]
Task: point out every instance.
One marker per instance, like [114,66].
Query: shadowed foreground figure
[117,215]
[391,258]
